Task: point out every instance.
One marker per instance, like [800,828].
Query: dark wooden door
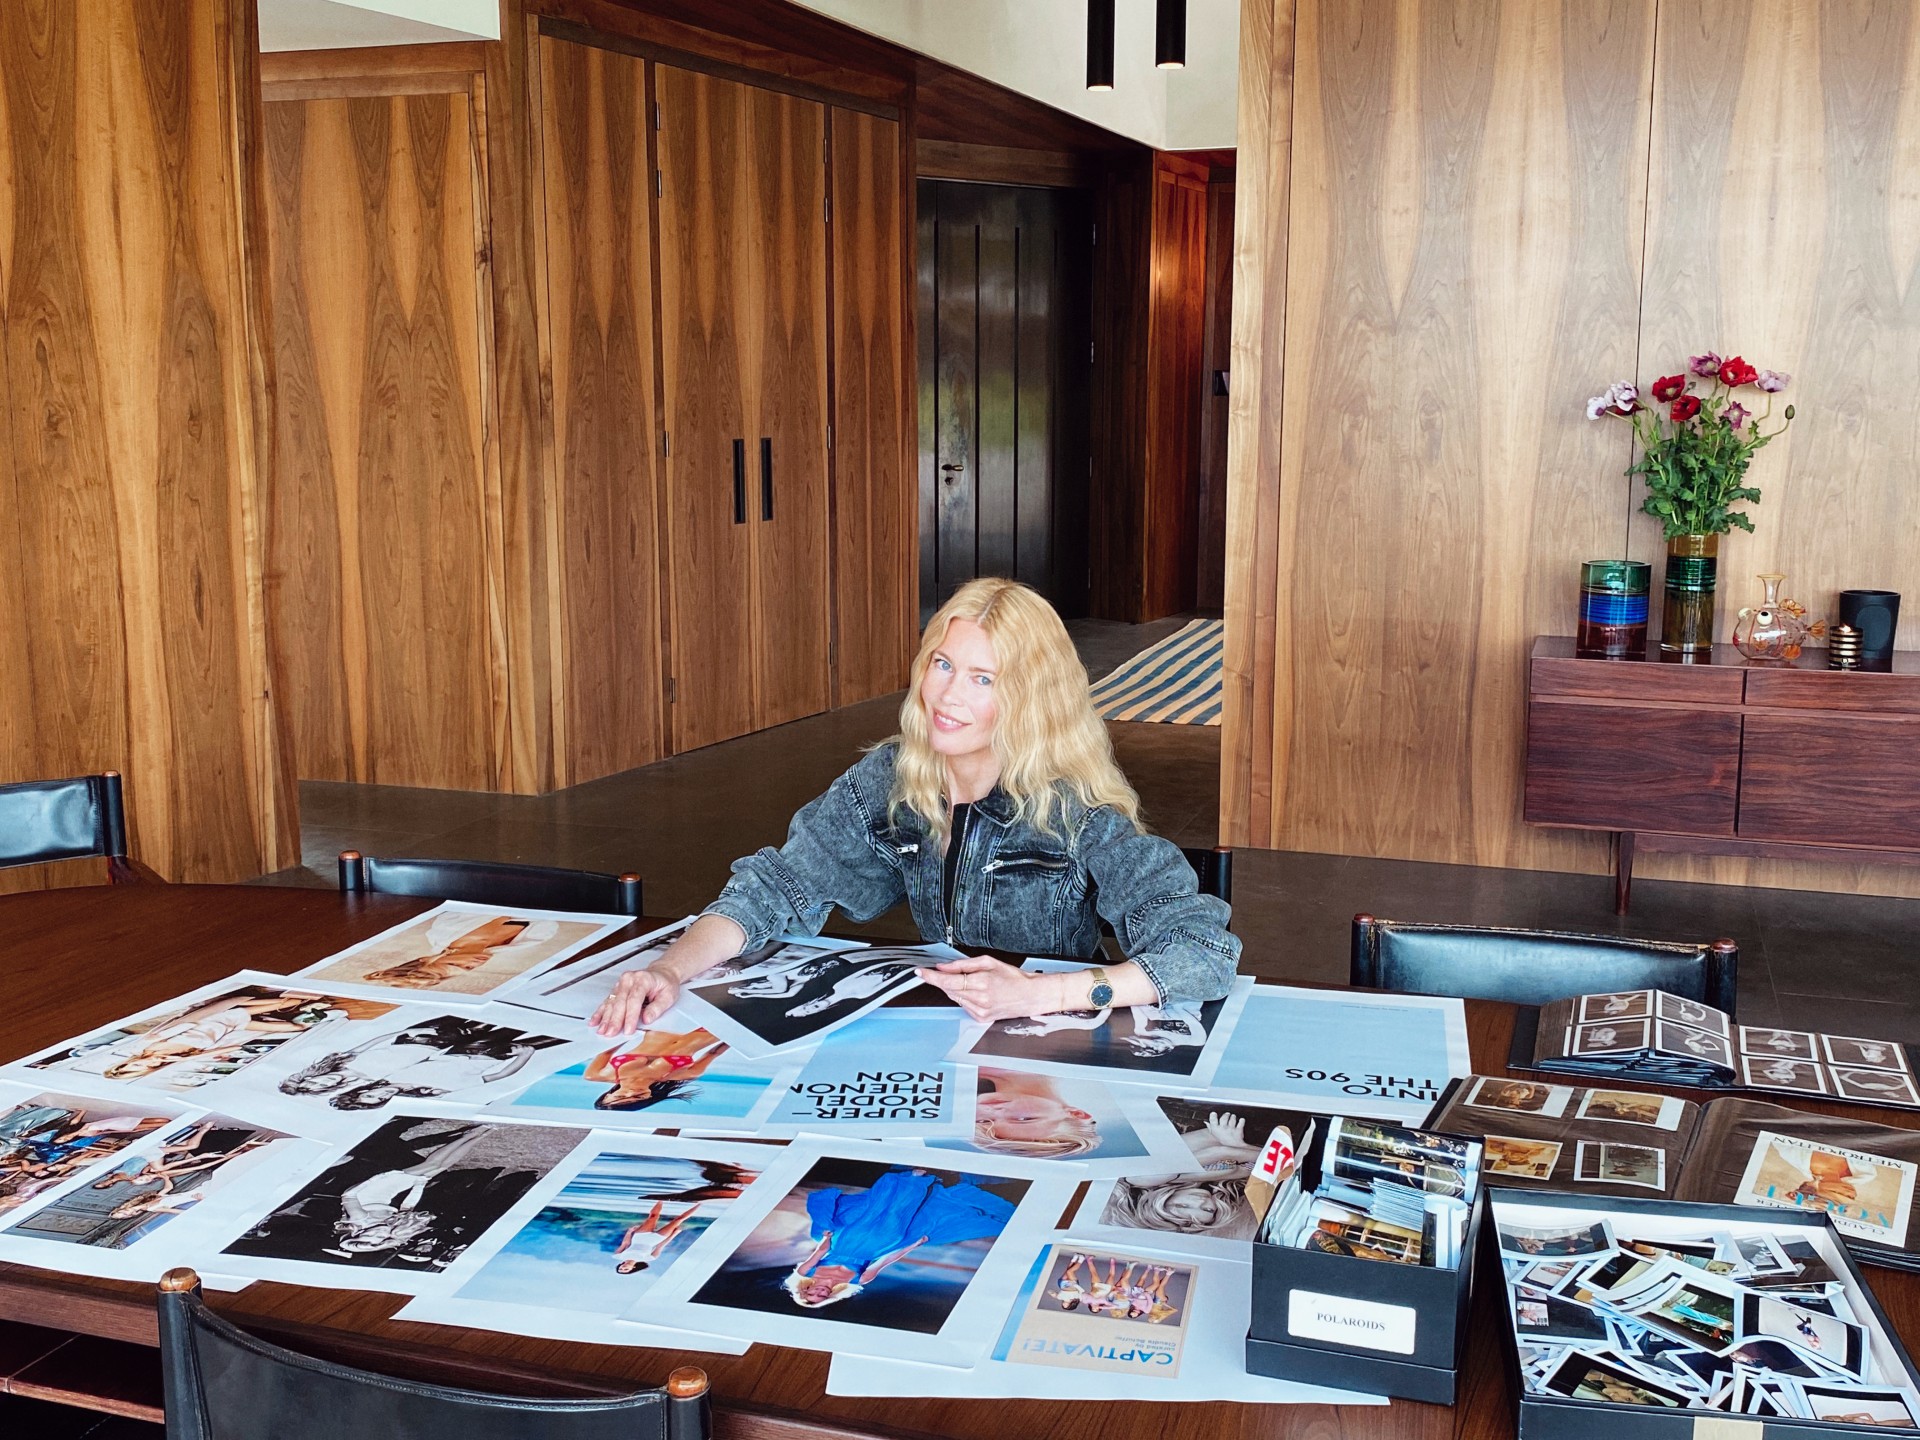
[1003,360]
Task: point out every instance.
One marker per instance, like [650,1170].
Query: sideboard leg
[1622,870]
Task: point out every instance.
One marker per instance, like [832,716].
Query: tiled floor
[1838,963]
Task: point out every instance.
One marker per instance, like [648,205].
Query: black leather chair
[77,819]
[222,1383]
[1534,967]
[482,882]
[1214,870]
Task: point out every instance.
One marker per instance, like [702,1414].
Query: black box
[1410,1320]
[1559,1417]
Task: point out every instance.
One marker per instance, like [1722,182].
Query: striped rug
[1176,681]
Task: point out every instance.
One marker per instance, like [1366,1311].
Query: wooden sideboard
[1726,758]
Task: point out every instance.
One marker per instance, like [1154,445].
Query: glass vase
[1686,625]
[1613,610]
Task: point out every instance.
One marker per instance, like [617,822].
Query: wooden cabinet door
[707,263]
[1624,767]
[786,294]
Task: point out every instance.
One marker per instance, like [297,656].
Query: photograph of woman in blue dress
[886,1245]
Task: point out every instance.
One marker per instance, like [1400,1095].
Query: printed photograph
[657,1079]
[1840,1405]
[458,950]
[1867,1196]
[1875,1087]
[579,987]
[1095,1310]
[1211,1198]
[1764,1074]
[1612,1037]
[1519,1159]
[1630,1107]
[413,1194]
[1694,1043]
[136,1197]
[1047,1117]
[1772,1355]
[1603,1164]
[1780,1044]
[1614,1276]
[790,992]
[1528,1097]
[1149,1040]
[1824,1337]
[445,1055]
[1362,1151]
[1620,1005]
[610,1232]
[1361,1237]
[47,1138]
[209,1040]
[1690,1012]
[1864,1054]
[1538,1316]
[1698,1310]
[1584,1377]
[1553,1241]
[858,1242]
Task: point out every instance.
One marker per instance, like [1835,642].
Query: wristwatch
[1100,993]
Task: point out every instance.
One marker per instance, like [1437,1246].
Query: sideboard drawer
[1831,780]
[1617,767]
[1859,691]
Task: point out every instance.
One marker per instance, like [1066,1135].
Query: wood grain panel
[1874,692]
[130,335]
[1216,356]
[1176,360]
[873,474]
[598,328]
[1122,319]
[1556,670]
[1831,779]
[1620,767]
[392,670]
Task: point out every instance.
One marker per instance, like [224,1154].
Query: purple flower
[1735,415]
[1773,381]
[1706,366]
[1623,397]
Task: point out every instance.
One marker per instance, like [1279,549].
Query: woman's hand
[640,998]
[989,989]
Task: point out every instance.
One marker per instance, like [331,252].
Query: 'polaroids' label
[1346,1321]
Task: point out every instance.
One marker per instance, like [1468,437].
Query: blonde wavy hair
[1050,740]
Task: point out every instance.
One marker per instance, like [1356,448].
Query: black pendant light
[1170,34]
[1099,44]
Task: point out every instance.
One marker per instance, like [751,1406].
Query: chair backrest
[222,1383]
[1214,869]
[482,882]
[1535,967]
[44,820]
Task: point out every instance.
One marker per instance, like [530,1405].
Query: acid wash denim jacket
[1017,887]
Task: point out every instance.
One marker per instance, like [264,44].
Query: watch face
[1101,995]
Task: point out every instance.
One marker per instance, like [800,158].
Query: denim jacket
[1017,888]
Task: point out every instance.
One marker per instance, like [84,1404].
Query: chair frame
[109,797]
[356,879]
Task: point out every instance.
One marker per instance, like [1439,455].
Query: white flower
[1598,407]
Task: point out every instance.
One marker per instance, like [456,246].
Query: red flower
[1669,387]
[1737,372]
[1685,408]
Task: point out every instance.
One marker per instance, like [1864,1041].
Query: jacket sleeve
[830,859]
[1144,889]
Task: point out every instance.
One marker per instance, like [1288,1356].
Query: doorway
[1005,342]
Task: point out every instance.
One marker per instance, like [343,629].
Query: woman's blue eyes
[943,664]
[983,679]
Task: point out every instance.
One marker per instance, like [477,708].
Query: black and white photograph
[790,992]
[401,1204]
[1779,1044]
[1604,1164]
[1799,1075]
[1864,1054]
[1875,1087]
[1694,1043]
[1690,1012]
[426,1059]
[1612,1037]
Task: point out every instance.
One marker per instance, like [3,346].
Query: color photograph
[1086,1124]
[399,1205]
[1545,1242]
[1641,1165]
[48,1138]
[442,1056]
[1519,1159]
[461,950]
[1583,1377]
[1525,1097]
[1825,1337]
[1096,1310]
[795,992]
[1882,1407]
[577,988]
[1867,1196]
[1631,1107]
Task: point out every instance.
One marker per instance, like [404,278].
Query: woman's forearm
[1131,986]
[708,941]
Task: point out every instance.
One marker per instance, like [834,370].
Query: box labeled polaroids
[1669,1319]
[1353,1285]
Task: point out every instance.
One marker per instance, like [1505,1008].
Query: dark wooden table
[72,960]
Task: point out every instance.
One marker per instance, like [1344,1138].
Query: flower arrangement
[1695,449]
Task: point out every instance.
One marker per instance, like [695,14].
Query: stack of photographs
[1669,1311]
[1664,1039]
[1383,1193]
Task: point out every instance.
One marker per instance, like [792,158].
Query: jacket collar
[997,806]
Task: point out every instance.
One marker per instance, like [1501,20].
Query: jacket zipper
[959,867]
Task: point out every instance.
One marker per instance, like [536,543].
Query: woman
[999,815]
[656,1068]
[647,1239]
[1021,1114]
[860,1234]
[469,952]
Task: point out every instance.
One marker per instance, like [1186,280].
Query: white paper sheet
[801,989]
[581,1329]
[881,1077]
[576,988]
[955,1291]
[1066,1125]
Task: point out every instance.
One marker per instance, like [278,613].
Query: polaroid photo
[1807,1077]
[802,990]
[861,1247]
[462,953]
[1694,1043]
[1691,1012]
[1881,1406]
[1701,1254]
[1540,1316]
[1864,1054]
[1612,1037]
[1701,1309]
[1779,1044]
[1825,1338]
[1554,1241]
[1598,1163]
[576,988]
[1515,1158]
[1619,1005]
[1588,1377]
[1751,1396]
[1875,1087]
[1613,1278]
[1631,1107]
[1546,1275]
[1760,1256]
[1525,1097]
[1868,1197]
[1774,1356]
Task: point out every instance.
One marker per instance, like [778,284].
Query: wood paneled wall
[1177,297]
[1455,222]
[132,330]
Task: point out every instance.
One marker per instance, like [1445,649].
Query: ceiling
[340,25]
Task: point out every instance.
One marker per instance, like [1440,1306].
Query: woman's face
[1190,1207]
[1030,1117]
[958,692]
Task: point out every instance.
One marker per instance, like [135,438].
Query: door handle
[766,477]
[740,482]
[951,471]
